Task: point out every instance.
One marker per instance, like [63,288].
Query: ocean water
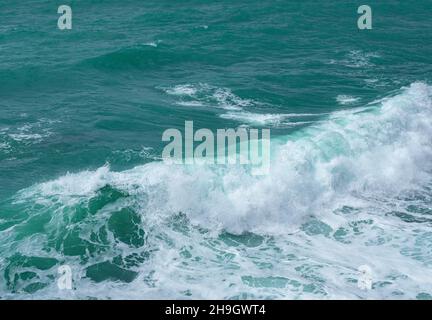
[82,183]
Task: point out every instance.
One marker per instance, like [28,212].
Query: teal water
[82,113]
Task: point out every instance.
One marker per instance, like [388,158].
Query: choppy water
[81,118]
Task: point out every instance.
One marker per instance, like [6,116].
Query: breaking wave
[157,221]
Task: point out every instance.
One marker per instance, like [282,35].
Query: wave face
[352,189]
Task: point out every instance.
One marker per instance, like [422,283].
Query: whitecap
[346,99]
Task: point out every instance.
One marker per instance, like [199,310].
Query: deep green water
[82,113]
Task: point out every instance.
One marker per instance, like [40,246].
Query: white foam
[31,132]
[267,119]
[190,103]
[203,94]
[254,118]
[357,59]
[227,100]
[23,136]
[346,99]
[182,90]
[153,43]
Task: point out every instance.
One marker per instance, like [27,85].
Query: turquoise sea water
[82,113]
